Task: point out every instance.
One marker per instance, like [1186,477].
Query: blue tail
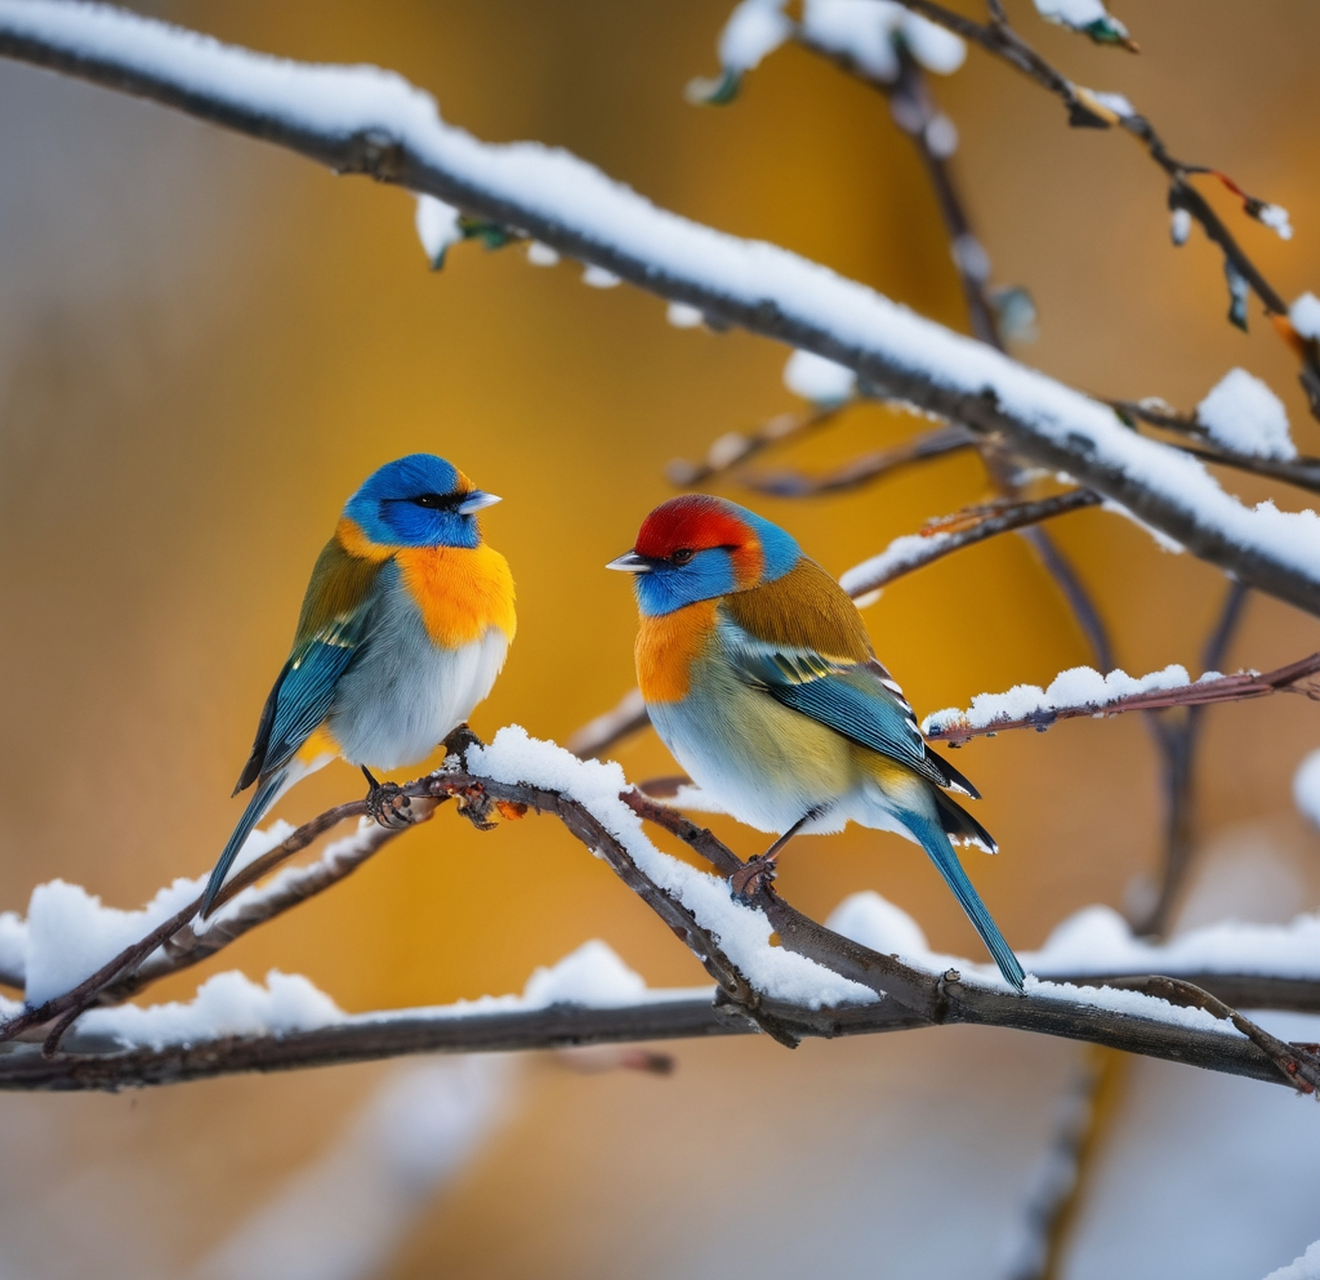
[936,843]
[262,799]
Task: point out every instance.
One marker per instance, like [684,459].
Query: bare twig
[626,717]
[935,443]
[1294,678]
[735,448]
[1178,743]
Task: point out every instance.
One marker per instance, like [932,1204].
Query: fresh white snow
[437,228]
[558,194]
[819,380]
[1077,687]
[1306,788]
[754,29]
[1305,315]
[1275,216]
[743,932]
[593,976]
[1244,415]
[868,32]
[1307,1267]
[904,552]
[228,1004]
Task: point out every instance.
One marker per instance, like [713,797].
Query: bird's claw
[758,873]
[390,805]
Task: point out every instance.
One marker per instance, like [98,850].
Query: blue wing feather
[942,854]
[855,699]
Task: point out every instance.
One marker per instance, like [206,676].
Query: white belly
[402,695]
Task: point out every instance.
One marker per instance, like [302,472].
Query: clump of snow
[1244,415]
[71,935]
[1078,687]
[935,47]
[901,554]
[970,257]
[1275,216]
[1305,315]
[437,228]
[541,255]
[942,137]
[819,380]
[1097,940]
[743,932]
[681,316]
[593,976]
[1118,104]
[229,1004]
[754,29]
[877,923]
[598,278]
[1306,788]
[13,944]
[1090,16]
[1307,1267]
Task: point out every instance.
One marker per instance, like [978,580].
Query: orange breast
[667,648]
[461,592]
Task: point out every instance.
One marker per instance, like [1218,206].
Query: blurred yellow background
[206,344]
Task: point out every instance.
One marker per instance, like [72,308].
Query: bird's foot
[388,804]
[758,873]
[458,742]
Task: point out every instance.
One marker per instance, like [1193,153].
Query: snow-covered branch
[916,550]
[363,120]
[1082,691]
[872,972]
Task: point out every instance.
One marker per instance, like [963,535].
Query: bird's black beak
[631,562]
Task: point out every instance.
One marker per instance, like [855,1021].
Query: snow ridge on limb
[1083,691]
[362,119]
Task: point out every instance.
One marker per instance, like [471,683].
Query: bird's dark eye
[433,500]
[681,556]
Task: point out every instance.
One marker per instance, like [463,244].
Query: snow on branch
[363,120]
[1083,691]
[816,982]
[952,533]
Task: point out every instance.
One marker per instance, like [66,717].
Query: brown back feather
[805,609]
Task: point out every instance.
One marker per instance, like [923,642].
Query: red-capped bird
[758,674]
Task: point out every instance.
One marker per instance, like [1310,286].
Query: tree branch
[360,121]
[923,447]
[1087,110]
[912,997]
[963,529]
[1294,678]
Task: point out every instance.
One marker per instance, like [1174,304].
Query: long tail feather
[262,799]
[936,844]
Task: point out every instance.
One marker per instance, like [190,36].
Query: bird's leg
[387,803]
[760,870]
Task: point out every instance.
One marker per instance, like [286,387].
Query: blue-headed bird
[404,627]
[759,676]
